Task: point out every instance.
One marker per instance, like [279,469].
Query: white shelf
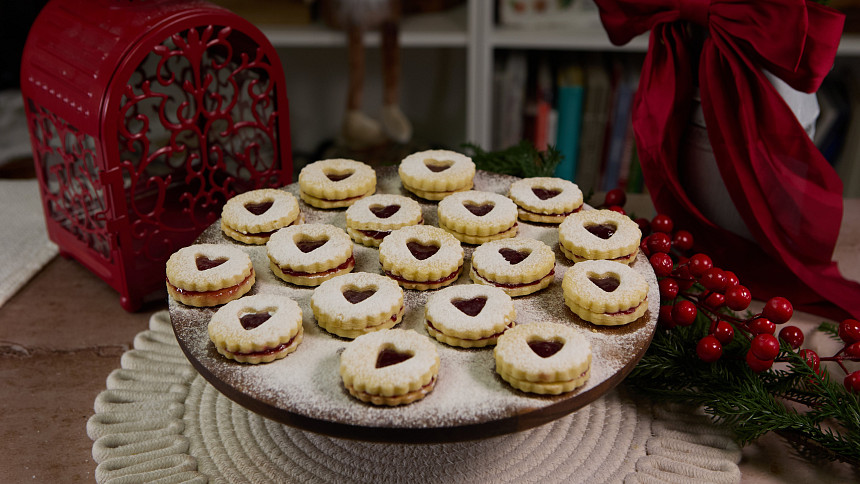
[849,46]
[590,39]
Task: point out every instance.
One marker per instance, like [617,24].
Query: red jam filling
[218,293]
[471,307]
[259,208]
[254,320]
[375,234]
[627,311]
[421,251]
[545,194]
[447,278]
[608,283]
[389,356]
[545,349]
[514,257]
[479,210]
[338,176]
[384,211]
[558,215]
[514,286]
[268,351]
[204,263]
[496,335]
[437,166]
[349,262]
[310,245]
[603,231]
[356,296]
[269,233]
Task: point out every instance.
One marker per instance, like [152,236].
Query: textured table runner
[159,421]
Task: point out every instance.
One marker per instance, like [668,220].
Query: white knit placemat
[160,422]
[24,238]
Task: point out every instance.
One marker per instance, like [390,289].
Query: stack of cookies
[435,174]
[476,217]
[357,303]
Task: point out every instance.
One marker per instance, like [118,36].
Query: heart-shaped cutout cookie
[204,263]
[310,245]
[607,282]
[479,210]
[356,295]
[545,349]
[514,256]
[250,321]
[438,165]
[390,356]
[604,230]
[470,307]
[421,251]
[545,193]
[384,211]
[335,177]
[259,208]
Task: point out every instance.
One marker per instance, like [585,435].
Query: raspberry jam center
[545,349]
[338,176]
[384,211]
[471,307]
[421,251]
[604,231]
[310,245]
[436,166]
[513,257]
[545,194]
[479,210]
[259,208]
[388,357]
[607,283]
[205,263]
[355,296]
[253,320]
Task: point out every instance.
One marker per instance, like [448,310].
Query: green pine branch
[522,160]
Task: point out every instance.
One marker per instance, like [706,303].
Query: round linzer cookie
[370,219]
[469,315]
[209,274]
[435,174]
[252,217]
[518,266]
[390,367]
[599,234]
[605,293]
[357,303]
[336,182]
[544,199]
[545,358]
[421,257]
[476,217]
[310,254]
[257,329]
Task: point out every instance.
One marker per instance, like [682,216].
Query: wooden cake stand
[469,401]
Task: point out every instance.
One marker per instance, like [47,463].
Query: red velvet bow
[788,195]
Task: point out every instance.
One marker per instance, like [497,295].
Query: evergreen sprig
[522,160]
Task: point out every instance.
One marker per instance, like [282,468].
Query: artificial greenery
[522,160]
[815,414]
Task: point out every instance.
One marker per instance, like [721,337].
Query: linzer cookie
[599,234]
[421,257]
[336,183]
[209,274]
[476,217]
[469,315]
[435,174]
[605,293]
[518,266]
[544,358]
[357,303]
[390,367]
[257,329]
[252,217]
[310,254]
[544,199]
[370,219]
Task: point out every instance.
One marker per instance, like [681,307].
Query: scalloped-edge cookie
[545,199]
[605,293]
[518,266]
[390,367]
[257,329]
[469,315]
[310,254]
[435,174]
[336,182]
[370,219]
[421,257]
[542,357]
[209,274]
[357,303]
[252,217]
[476,217]
[599,234]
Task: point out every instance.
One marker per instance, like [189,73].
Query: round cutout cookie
[357,303]
[252,217]
[209,274]
[599,234]
[310,254]
[478,216]
[469,315]
[605,293]
[421,257]
[435,174]
[545,199]
[336,182]
[257,329]
[390,367]
[372,218]
[518,266]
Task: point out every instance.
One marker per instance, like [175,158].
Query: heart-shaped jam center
[421,251]
[544,193]
[335,177]
[259,208]
[513,256]
[205,263]
[479,210]
[471,307]
[309,245]
[355,296]
[252,320]
[390,356]
[438,165]
[545,349]
[604,231]
[384,211]
[607,283]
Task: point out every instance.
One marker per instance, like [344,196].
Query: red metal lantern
[145,117]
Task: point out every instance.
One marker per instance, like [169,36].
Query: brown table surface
[64,332]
